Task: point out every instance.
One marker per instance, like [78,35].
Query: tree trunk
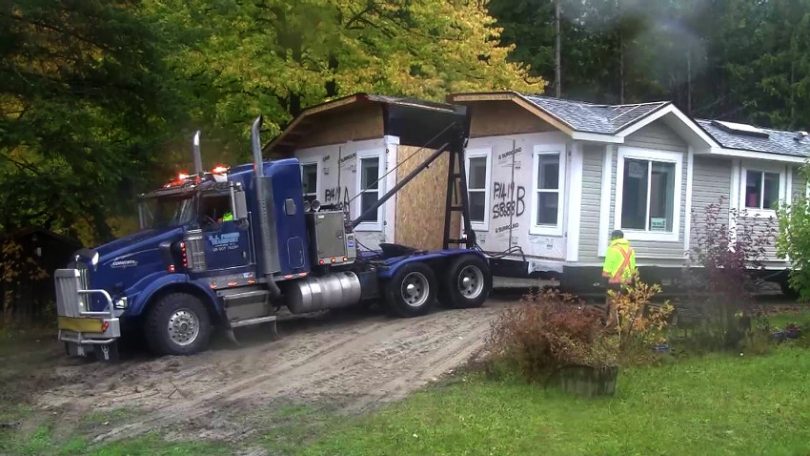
[557,51]
[689,81]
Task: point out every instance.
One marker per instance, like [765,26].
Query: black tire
[412,290]
[460,294]
[177,309]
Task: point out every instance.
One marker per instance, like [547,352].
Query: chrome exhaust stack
[263,200]
[197,156]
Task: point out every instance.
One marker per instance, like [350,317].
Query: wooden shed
[29,257]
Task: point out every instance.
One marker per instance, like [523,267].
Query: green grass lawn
[718,404]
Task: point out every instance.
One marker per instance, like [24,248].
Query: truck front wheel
[412,290]
[178,324]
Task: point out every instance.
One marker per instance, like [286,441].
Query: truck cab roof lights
[220,173]
[178,181]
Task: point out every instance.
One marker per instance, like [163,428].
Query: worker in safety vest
[619,269]
[620,260]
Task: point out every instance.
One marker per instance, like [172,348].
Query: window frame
[761,168]
[485,152]
[358,207]
[651,155]
[318,179]
[548,149]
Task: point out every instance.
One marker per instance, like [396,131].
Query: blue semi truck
[234,247]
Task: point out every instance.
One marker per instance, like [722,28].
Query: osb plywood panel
[493,118]
[420,204]
[352,124]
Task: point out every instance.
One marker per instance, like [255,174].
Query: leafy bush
[548,331]
[793,243]
[721,283]
[640,324]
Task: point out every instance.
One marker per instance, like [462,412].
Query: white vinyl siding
[592,163]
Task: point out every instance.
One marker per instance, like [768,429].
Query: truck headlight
[94,260]
[121,303]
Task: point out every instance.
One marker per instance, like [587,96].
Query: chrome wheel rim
[415,289]
[470,282]
[184,326]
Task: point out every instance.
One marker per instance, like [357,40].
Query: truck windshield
[166,211]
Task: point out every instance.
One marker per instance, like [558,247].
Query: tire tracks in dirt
[354,361]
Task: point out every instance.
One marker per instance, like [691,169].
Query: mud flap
[231,336]
[274,331]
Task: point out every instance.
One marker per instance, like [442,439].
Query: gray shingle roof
[777,142]
[611,119]
[594,118]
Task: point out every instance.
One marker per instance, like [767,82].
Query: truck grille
[195,250]
[68,283]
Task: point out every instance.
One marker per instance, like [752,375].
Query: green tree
[277,57]
[83,101]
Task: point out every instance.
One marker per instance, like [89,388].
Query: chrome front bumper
[79,328]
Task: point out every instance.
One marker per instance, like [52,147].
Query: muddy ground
[345,362]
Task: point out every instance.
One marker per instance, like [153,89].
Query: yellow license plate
[85,325]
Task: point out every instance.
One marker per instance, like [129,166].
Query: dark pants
[611,315]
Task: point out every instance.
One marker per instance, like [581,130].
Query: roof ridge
[564,100]
[641,104]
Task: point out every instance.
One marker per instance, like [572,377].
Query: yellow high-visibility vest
[620,262]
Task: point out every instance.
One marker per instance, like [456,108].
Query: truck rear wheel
[412,290]
[467,283]
[178,324]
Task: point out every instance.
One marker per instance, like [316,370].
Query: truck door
[227,241]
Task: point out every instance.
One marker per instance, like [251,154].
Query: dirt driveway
[352,361]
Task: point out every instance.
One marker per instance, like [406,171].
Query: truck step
[247,304]
[253,321]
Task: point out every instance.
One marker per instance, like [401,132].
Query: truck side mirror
[239,205]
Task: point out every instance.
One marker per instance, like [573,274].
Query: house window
[478,177]
[369,169]
[548,175]
[761,189]
[309,179]
[648,193]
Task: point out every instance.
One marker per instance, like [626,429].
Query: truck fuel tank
[331,291]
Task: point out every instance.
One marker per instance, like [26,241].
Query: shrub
[640,324]
[722,283]
[794,243]
[548,331]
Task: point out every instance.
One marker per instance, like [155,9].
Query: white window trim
[364,154]
[653,155]
[477,153]
[548,230]
[318,177]
[763,168]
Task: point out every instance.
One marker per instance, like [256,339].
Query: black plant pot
[588,381]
